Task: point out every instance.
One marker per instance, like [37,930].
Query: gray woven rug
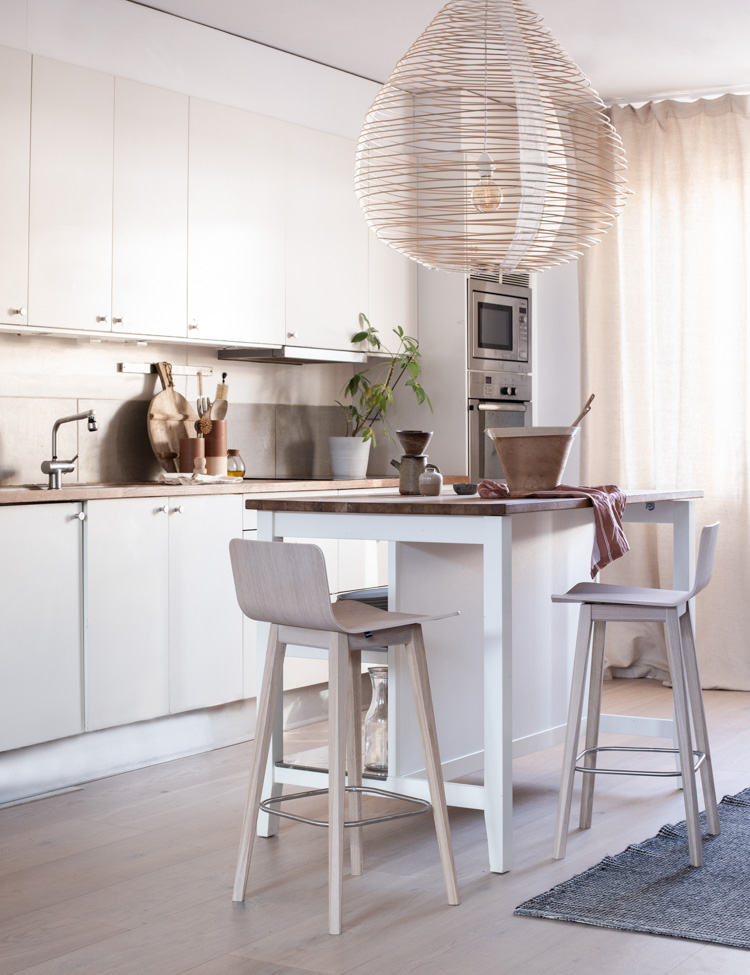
[652,888]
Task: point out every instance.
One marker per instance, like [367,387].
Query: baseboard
[35,771]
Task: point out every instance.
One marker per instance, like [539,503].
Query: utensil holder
[190,448]
[216,448]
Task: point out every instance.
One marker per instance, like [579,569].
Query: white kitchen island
[500,672]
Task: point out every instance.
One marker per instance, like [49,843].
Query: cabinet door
[205,631]
[237,197]
[149,243]
[15,110]
[128,626]
[326,263]
[393,291]
[70,223]
[40,624]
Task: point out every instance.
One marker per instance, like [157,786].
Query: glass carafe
[376,723]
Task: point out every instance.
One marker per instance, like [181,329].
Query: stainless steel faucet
[56,468]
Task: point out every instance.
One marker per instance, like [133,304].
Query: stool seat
[362,623]
[600,592]
[602,603]
[286,585]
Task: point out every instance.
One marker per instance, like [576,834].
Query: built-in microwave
[499,318]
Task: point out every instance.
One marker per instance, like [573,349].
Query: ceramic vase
[349,457]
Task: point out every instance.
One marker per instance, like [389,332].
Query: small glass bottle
[376,723]
[235,464]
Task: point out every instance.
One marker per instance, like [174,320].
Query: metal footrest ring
[700,756]
[267,806]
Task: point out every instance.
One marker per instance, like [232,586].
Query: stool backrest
[706,552]
[282,582]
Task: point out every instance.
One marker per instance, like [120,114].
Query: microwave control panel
[499,385]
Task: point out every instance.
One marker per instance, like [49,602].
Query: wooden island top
[448,503]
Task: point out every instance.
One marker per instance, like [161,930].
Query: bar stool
[600,604]
[286,585]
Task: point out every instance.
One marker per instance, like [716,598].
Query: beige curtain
[665,301]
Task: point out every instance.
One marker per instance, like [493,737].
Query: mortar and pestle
[413,461]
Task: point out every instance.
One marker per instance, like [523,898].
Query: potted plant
[370,394]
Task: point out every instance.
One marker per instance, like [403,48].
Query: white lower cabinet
[131,613]
[41,663]
[128,611]
[205,621]
[165,630]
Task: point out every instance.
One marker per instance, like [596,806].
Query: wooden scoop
[586,408]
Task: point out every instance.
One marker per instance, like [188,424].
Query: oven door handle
[514,407]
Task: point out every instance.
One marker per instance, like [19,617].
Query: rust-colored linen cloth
[609,504]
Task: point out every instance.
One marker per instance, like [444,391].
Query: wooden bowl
[533,458]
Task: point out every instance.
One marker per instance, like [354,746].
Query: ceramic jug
[409,468]
[431,480]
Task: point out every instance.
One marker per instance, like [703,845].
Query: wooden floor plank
[132,875]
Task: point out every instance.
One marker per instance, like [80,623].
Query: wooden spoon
[584,411]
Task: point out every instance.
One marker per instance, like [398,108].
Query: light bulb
[486,195]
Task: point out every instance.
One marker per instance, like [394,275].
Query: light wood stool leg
[682,720]
[592,721]
[354,759]
[573,731]
[338,663]
[420,684]
[695,694]
[269,693]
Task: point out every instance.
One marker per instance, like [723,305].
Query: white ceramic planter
[349,457]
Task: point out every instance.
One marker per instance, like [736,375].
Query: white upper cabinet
[393,291]
[15,108]
[149,244]
[237,196]
[70,212]
[326,254]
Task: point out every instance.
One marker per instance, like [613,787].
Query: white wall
[557,350]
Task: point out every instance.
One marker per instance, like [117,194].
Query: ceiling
[630,50]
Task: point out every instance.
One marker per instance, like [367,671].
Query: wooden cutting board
[170,417]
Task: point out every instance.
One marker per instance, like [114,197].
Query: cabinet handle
[291,335]
[81,516]
[118,321]
[17,311]
[192,326]
[164,508]
[179,510]
[102,318]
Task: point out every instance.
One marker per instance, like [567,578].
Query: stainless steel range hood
[294,354]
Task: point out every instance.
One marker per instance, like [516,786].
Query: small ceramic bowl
[465,488]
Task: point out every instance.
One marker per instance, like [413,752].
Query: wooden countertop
[445,504]
[36,494]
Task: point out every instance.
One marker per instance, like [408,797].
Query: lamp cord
[485,74]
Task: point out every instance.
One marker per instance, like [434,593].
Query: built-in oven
[499,318]
[496,399]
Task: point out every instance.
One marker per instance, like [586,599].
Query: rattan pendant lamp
[487,150]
